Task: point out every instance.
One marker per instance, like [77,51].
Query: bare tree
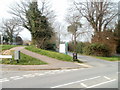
[20,9]
[74,28]
[46,10]
[98,14]
[74,24]
[11,28]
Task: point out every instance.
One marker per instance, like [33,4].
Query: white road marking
[59,71]
[29,75]
[4,80]
[75,82]
[107,78]
[83,85]
[67,70]
[101,83]
[16,77]
[76,69]
[38,74]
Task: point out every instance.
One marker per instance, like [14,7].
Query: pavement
[53,64]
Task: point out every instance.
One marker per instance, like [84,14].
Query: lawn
[112,58]
[25,60]
[6,47]
[51,54]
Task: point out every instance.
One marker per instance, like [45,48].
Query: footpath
[53,64]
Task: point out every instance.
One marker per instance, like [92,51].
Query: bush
[80,46]
[50,46]
[97,49]
[118,47]
[71,46]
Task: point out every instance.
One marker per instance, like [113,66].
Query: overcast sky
[59,6]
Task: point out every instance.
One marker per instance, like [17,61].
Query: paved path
[53,64]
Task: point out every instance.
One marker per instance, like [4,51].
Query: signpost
[17,56]
[63,48]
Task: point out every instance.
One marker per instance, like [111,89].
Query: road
[102,74]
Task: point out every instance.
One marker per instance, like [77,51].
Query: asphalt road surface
[101,74]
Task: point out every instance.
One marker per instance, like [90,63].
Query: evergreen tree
[38,25]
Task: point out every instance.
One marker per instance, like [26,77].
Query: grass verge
[112,58]
[25,60]
[6,47]
[51,54]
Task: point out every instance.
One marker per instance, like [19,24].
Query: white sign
[5,56]
[62,48]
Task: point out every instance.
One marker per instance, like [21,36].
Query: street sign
[63,48]
[5,56]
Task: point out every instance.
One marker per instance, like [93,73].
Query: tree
[10,28]
[117,35]
[98,14]
[75,24]
[38,25]
[36,21]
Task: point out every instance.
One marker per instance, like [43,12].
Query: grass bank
[25,60]
[112,58]
[6,47]
[51,54]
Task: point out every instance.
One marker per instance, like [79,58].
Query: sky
[59,6]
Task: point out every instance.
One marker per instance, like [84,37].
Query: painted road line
[67,70]
[47,72]
[101,83]
[16,78]
[107,78]
[77,69]
[29,75]
[4,80]
[75,82]
[38,74]
[83,85]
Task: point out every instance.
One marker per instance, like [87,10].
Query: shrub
[71,46]
[118,47]
[80,46]
[97,49]
[50,46]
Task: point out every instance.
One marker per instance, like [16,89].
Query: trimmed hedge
[97,49]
